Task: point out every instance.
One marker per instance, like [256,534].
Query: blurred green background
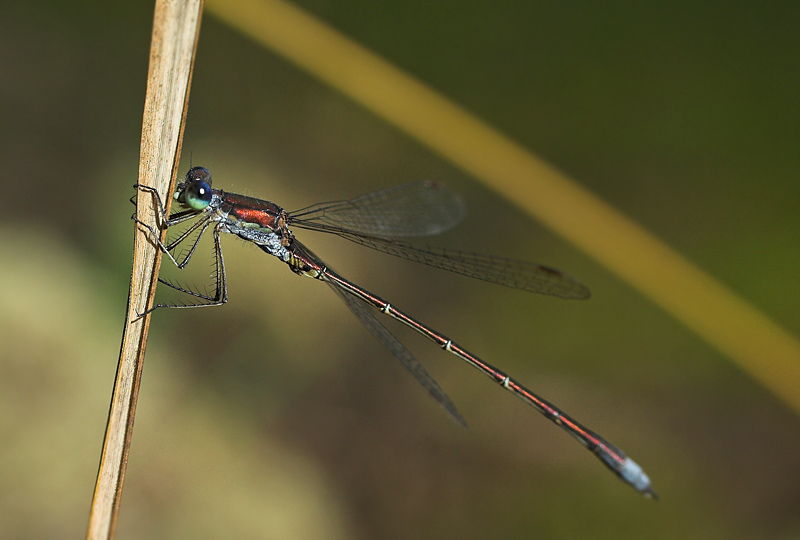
[278,416]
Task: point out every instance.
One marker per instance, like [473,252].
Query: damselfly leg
[198,229]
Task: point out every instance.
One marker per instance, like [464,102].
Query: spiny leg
[167,222]
[221,290]
[220,295]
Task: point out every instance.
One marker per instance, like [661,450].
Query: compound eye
[198,195]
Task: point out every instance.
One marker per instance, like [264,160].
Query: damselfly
[378,220]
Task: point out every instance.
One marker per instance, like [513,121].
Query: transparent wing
[376,220]
[407,359]
[400,351]
[516,274]
[421,209]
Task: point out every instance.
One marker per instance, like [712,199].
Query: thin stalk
[176,28]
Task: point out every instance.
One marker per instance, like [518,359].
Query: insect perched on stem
[379,220]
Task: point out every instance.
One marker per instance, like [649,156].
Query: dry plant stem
[175,29]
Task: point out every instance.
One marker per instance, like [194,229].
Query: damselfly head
[195,190]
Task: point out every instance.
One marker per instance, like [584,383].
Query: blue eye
[197,195]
